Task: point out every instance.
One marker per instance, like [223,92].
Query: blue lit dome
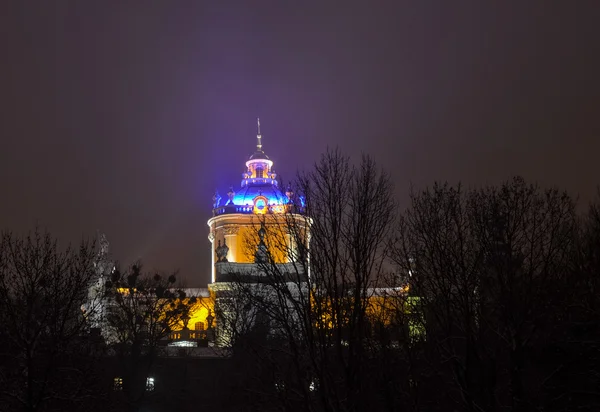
[247,195]
[259,192]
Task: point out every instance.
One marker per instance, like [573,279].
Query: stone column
[211,237]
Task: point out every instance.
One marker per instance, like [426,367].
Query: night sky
[125,116]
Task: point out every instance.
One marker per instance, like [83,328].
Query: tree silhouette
[315,303]
[486,265]
[47,354]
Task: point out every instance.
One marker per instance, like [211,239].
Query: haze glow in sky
[126,117]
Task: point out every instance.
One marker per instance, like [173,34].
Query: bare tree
[572,379]
[437,247]
[319,264]
[529,237]
[498,314]
[46,350]
[142,310]
[484,264]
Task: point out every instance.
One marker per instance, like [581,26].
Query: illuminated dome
[259,192]
[247,195]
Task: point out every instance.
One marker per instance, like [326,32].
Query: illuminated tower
[257,220]
[258,201]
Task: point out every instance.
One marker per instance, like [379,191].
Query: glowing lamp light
[149,384]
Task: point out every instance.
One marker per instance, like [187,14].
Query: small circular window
[260,204]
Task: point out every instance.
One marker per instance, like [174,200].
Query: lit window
[149,384]
[118,384]
[183,344]
[199,326]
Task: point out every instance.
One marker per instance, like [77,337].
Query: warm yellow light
[200,311]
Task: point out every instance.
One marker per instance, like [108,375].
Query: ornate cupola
[259,167]
[259,192]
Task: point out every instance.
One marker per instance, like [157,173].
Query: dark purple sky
[124,118]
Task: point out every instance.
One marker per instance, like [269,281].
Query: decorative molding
[230,230]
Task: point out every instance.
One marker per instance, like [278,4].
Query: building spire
[258,137]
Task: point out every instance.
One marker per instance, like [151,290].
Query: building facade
[259,224]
